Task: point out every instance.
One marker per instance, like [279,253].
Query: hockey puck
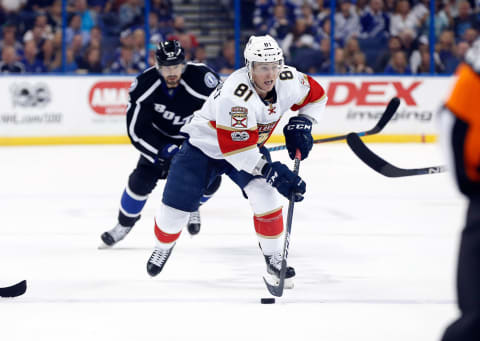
[267,300]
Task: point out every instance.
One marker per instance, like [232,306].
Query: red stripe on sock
[269,225]
[164,237]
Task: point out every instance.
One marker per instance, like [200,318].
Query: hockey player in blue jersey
[162,99]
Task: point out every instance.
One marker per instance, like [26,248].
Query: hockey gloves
[164,157]
[298,135]
[167,152]
[284,180]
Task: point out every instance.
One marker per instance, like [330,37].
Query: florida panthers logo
[239,117]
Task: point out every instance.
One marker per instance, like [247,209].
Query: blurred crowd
[108,36]
[371,36]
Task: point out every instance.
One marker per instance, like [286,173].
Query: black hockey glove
[298,135]
[284,180]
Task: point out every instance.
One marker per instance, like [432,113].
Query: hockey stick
[383,167]
[14,290]
[384,119]
[277,290]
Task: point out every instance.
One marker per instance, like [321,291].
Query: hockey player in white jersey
[226,136]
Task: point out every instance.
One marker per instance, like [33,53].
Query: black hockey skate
[157,260]
[115,235]
[194,223]
[274,264]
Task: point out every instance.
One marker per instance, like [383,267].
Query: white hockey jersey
[234,119]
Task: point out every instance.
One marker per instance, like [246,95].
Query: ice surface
[375,257]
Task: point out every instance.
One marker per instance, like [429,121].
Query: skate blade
[273,280]
[103,246]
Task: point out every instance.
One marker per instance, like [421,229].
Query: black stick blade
[14,290]
[383,167]
[390,110]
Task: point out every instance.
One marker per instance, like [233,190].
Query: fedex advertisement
[94,106]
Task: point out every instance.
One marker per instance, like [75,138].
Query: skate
[114,235]
[157,260]
[193,224]
[274,264]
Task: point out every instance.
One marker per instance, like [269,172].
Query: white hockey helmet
[262,49]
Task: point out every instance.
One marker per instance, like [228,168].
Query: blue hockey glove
[162,163]
[167,152]
[284,180]
[298,135]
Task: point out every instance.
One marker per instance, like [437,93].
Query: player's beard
[172,81]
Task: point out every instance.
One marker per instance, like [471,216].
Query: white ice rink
[375,257]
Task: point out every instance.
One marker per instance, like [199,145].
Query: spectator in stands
[402,19]
[460,50]
[359,64]
[74,29]
[347,23]
[47,53]
[130,14]
[40,32]
[361,6]
[465,19]
[77,47]
[278,26]
[264,11]
[320,10]
[91,63]
[443,20]
[420,14]
[398,65]
[156,34]
[423,66]
[322,64]
[446,51]
[35,5]
[30,61]
[9,38]
[383,58]
[95,38]
[88,17]
[225,62]
[390,7]
[139,50]
[9,62]
[163,9]
[374,22]
[298,43]
[70,65]
[306,12]
[408,36]
[261,15]
[374,29]
[417,62]
[341,66]
[125,63]
[201,54]
[187,40]
[57,52]
[351,48]
[54,15]
[470,35]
